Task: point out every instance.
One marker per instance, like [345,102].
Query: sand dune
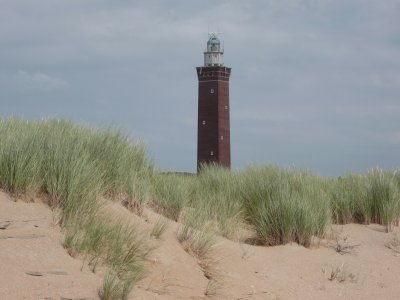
[34,264]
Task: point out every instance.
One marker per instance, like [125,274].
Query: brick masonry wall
[213,134]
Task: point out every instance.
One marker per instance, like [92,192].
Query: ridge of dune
[34,264]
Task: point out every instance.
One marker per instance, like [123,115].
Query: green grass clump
[285,206]
[280,205]
[75,166]
[213,196]
[20,162]
[348,196]
[216,198]
[159,228]
[123,165]
[374,197]
[171,193]
[197,241]
[383,198]
[116,245]
[114,288]
[46,156]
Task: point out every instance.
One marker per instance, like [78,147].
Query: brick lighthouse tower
[213,130]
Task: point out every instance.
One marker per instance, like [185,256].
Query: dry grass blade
[159,228]
[341,274]
[212,287]
[342,246]
[394,243]
[200,243]
[161,286]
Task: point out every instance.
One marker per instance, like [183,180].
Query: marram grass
[285,206]
[280,205]
[374,197]
[75,167]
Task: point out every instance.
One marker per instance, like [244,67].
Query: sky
[315,84]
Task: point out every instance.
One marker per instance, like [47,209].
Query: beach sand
[35,265]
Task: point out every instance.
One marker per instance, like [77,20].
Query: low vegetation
[75,167]
[279,205]
[394,244]
[159,228]
[341,274]
[374,198]
[285,206]
[343,246]
[199,241]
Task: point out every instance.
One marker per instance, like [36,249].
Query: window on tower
[212,91]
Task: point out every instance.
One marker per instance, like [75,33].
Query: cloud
[265,115]
[307,73]
[38,81]
[392,110]
[389,138]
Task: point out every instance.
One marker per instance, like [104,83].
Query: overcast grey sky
[315,83]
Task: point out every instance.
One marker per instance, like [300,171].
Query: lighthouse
[213,128]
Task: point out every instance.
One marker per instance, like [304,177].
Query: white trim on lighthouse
[214,56]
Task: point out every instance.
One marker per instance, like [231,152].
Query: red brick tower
[213,130]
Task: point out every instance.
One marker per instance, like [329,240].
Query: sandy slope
[31,242]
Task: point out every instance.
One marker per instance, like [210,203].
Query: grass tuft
[74,167]
[341,275]
[285,206]
[115,288]
[159,227]
[342,246]
[394,243]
